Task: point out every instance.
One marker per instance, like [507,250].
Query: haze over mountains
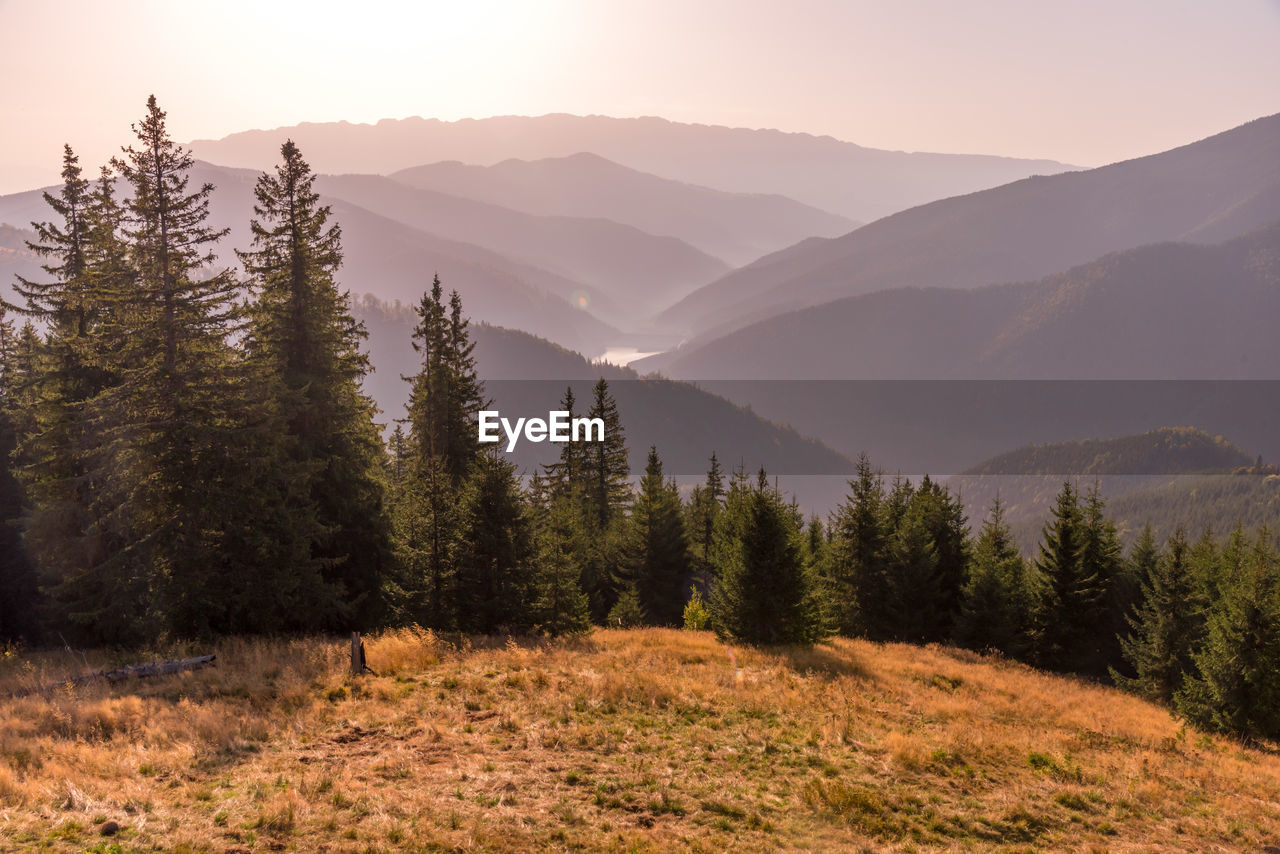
[859,183]
[1169,478]
[639,272]
[736,227]
[1207,191]
[1166,311]
[596,233]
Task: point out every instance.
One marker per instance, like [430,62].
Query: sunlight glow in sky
[1086,82]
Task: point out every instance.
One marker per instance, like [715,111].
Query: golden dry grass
[648,740]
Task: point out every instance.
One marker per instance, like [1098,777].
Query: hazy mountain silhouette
[639,272]
[1168,450]
[526,376]
[856,182]
[1166,311]
[1206,192]
[1168,477]
[737,227]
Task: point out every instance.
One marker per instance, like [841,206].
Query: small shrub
[697,618]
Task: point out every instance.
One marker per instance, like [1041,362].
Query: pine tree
[705,503]
[182,552]
[1236,684]
[66,373]
[858,583]
[1070,589]
[914,604]
[446,394]
[655,552]
[560,606]
[628,612]
[425,518]
[606,492]
[942,516]
[994,609]
[606,467]
[565,477]
[495,552]
[62,302]
[1167,622]
[1101,559]
[18,602]
[437,456]
[764,594]
[305,348]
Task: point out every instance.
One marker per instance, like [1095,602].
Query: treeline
[188,452]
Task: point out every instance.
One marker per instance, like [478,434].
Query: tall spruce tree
[560,606]
[565,476]
[304,347]
[495,552]
[426,514]
[446,394]
[441,449]
[914,606]
[605,467]
[606,492]
[763,593]
[67,372]
[943,519]
[706,500]
[994,608]
[1167,622]
[1236,684]
[858,583]
[18,603]
[1070,608]
[1102,560]
[181,493]
[655,549]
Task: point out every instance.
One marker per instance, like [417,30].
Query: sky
[1086,82]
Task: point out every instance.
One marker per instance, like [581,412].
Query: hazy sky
[1087,82]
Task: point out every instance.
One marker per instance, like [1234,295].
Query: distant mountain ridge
[637,271]
[1205,192]
[859,183]
[1169,450]
[736,227]
[1173,477]
[1165,311]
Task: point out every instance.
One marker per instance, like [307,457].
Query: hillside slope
[738,227]
[1208,191]
[859,183]
[526,376]
[653,740]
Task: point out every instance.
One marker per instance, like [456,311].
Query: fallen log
[158,668]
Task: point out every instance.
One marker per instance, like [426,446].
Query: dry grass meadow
[629,741]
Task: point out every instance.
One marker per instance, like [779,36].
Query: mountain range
[1165,311]
[1205,192]
[861,184]
[1168,478]
[735,227]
